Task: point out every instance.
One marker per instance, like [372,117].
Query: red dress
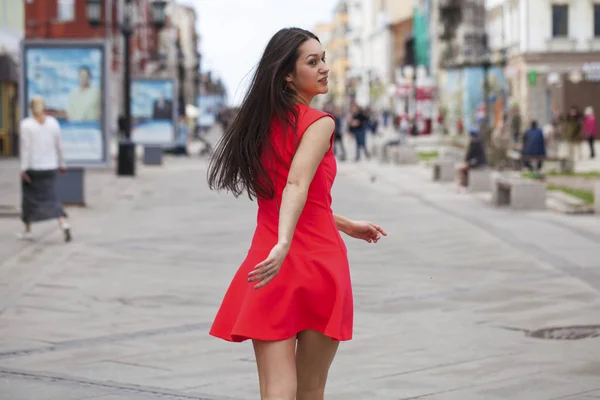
[312,289]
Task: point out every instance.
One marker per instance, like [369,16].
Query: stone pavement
[442,303]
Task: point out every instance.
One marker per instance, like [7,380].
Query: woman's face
[310,77]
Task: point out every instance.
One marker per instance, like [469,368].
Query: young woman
[292,294]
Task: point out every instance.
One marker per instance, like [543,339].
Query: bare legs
[62,223]
[276,369]
[314,356]
[287,373]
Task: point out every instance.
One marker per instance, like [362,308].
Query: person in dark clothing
[162,108]
[338,142]
[533,146]
[474,158]
[359,123]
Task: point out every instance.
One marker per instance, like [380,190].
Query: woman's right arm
[315,142]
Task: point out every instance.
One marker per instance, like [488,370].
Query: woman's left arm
[343,224]
[364,230]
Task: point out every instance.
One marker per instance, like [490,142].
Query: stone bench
[517,159]
[443,170]
[480,180]
[519,193]
[452,153]
[402,155]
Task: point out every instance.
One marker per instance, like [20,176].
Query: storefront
[545,85]
[9,110]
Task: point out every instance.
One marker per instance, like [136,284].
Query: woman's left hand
[365,230]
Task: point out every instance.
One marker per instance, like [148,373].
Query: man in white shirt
[41,158]
[84,102]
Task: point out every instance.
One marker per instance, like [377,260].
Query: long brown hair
[236,164]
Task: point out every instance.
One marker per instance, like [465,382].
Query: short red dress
[312,289]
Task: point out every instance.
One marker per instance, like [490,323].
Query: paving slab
[443,304]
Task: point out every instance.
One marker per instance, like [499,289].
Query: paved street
[443,304]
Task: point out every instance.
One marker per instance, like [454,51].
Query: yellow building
[333,36]
[338,54]
[11,32]
[323,32]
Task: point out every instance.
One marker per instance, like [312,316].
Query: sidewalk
[443,304]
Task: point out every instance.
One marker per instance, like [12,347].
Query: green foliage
[428,155]
[587,175]
[585,195]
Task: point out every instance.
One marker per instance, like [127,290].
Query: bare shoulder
[323,126]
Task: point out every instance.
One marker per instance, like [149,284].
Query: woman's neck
[302,99]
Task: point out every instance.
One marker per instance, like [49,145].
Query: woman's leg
[276,368]
[314,356]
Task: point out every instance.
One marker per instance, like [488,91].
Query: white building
[371,48]
[358,49]
[11,27]
[178,46]
[553,49]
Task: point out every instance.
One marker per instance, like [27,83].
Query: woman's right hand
[265,271]
[25,177]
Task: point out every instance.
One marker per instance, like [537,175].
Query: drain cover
[567,332]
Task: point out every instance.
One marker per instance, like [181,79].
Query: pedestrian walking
[182,137]
[574,133]
[338,141]
[590,129]
[292,294]
[359,122]
[550,131]
[41,159]
[534,147]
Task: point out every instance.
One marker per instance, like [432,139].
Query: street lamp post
[126,156]
[180,75]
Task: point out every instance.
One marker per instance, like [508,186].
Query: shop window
[560,20]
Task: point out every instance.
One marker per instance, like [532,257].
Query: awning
[8,69]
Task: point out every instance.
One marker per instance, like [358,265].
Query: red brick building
[67,19]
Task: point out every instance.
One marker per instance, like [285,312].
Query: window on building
[65,10]
[596,20]
[560,20]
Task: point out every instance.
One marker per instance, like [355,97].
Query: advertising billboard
[153,111]
[210,105]
[71,78]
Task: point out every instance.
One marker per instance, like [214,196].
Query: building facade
[11,33]
[460,59]
[172,52]
[67,19]
[337,54]
[11,27]
[553,53]
[178,52]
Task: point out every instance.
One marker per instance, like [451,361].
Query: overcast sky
[235,32]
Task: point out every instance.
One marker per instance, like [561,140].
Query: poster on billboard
[71,78]
[153,111]
[209,105]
